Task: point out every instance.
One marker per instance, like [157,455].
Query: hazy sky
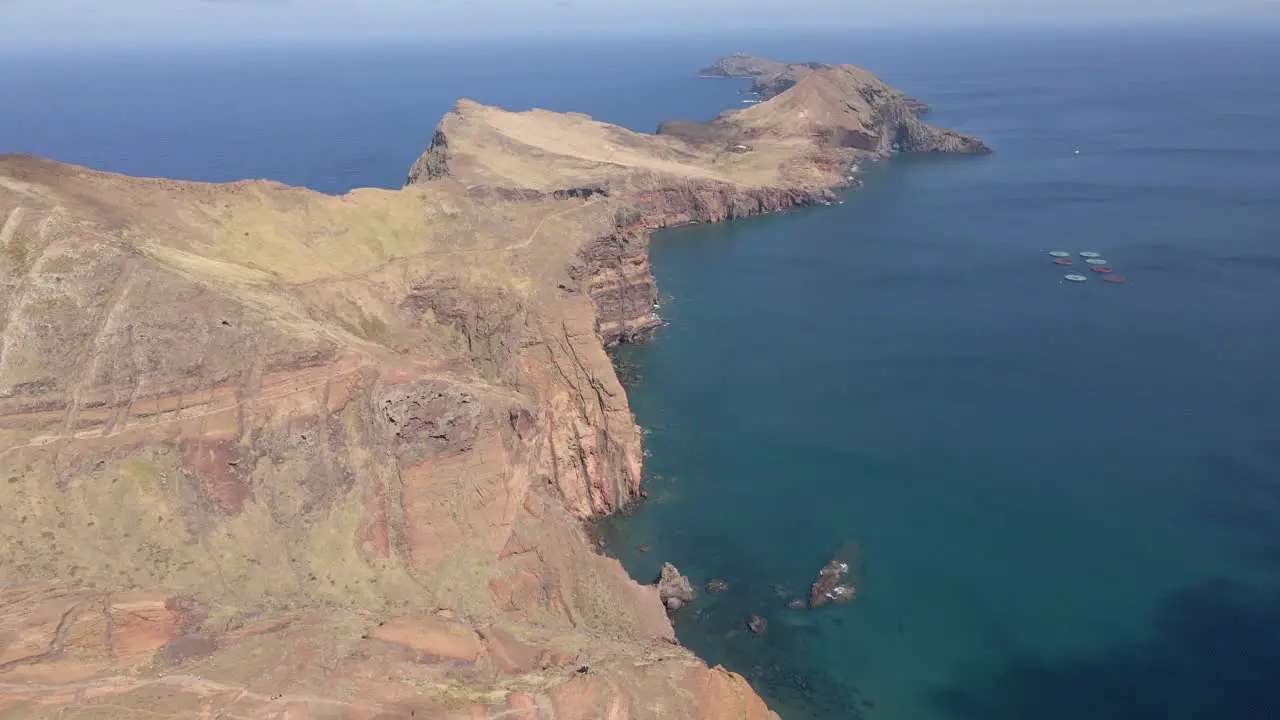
[126,21]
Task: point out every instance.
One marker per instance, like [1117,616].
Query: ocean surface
[1066,496]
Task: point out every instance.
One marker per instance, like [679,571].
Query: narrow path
[16,299]
[10,226]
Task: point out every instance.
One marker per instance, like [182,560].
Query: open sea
[1066,495]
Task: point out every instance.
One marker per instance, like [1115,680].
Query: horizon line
[1257,25]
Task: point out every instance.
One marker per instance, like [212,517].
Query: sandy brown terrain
[270,453]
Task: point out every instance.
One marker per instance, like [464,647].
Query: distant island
[272,452]
[771,78]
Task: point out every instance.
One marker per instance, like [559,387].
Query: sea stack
[674,589]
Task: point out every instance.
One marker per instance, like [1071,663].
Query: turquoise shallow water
[1067,497]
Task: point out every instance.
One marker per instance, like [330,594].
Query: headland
[269,452]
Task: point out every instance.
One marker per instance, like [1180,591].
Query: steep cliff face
[373,435]
[715,202]
[235,439]
[270,453]
[433,164]
[614,269]
[614,272]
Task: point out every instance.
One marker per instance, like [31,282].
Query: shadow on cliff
[1214,652]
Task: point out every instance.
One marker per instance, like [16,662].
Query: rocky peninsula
[768,78]
[266,452]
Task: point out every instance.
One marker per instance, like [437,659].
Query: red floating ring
[1113,278]
[1062,261]
[1100,268]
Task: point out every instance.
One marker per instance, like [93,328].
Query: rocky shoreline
[617,273]
[338,451]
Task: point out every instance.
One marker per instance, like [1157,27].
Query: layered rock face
[270,453]
[614,272]
[308,429]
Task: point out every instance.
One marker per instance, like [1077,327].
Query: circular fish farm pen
[1059,254]
[1075,278]
[1062,261]
[1113,278]
[1087,254]
[1100,269]
[1096,261]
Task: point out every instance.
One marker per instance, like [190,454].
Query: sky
[114,22]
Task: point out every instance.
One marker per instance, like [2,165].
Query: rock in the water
[757,624]
[837,581]
[717,586]
[796,605]
[674,589]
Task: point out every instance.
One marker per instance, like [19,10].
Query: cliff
[267,452]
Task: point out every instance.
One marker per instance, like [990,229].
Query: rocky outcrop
[838,580]
[674,589]
[900,126]
[914,136]
[773,85]
[614,272]
[433,164]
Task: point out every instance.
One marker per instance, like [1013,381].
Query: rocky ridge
[269,453]
[844,110]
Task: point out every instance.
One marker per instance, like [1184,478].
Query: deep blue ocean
[1067,496]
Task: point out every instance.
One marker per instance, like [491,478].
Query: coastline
[396,405]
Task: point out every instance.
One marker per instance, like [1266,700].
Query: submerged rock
[717,586]
[674,589]
[837,581]
[757,624]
